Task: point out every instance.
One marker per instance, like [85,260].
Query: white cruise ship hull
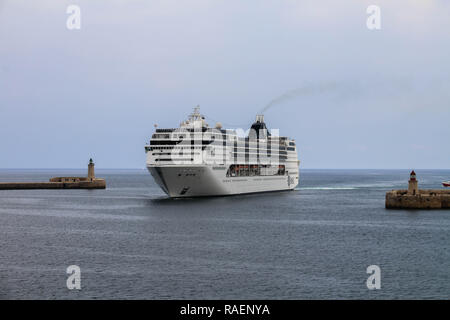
[204,180]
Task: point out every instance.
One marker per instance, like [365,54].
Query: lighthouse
[91,172]
[413,184]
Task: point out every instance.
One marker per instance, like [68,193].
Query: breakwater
[89,182]
[414,198]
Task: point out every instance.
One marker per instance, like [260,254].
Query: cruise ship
[197,160]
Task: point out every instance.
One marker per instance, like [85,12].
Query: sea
[132,242]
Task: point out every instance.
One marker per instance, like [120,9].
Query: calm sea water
[131,242]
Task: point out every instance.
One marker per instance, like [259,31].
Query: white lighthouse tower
[91,172]
[413,184]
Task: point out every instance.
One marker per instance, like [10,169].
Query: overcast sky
[353,97]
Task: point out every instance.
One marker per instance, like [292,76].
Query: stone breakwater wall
[424,199]
[95,184]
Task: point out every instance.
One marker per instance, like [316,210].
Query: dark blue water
[131,242]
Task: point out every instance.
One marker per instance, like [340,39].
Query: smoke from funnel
[297,93]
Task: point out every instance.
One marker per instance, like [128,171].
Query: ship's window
[239,170]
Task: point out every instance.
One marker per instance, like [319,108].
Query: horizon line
[322,168]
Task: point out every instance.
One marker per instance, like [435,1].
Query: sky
[351,97]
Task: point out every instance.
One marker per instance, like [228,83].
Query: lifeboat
[446,183]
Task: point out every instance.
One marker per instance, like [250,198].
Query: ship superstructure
[198,160]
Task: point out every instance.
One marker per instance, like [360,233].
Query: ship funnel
[258,129]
